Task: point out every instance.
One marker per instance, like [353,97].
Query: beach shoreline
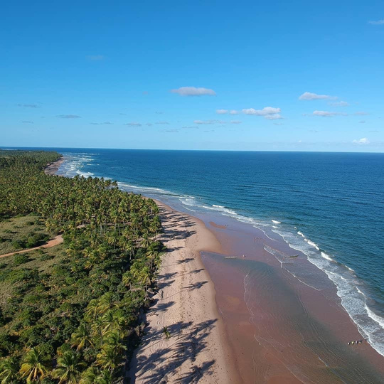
[197,332]
[197,349]
[230,327]
[52,168]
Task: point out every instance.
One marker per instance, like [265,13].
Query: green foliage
[70,312]
[166,332]
[21,258]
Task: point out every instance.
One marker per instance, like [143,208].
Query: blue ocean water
[328,205]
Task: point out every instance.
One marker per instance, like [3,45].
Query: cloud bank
[269,113]
[314,96]
[363,141]
[328,114]
[193,91]
[377,22]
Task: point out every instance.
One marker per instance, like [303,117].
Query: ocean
[330,206]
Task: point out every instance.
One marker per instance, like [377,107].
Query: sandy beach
[52,169]
[195,350]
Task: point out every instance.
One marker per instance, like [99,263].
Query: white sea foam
[276,222]
[323,254]
[85,174]
[314,245]
[352,298]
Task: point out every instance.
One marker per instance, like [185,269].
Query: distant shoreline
[52,169]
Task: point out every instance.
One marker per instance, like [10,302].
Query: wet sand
[52,169]
[280,329]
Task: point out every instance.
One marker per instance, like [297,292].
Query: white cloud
[363,141]
[193,91]
[360,113]
[314,96]
[235,122]
[225,111]
[269,113]
[377,22]
[328,114]
[162,122]
[134,124]
[277,116]
[339,104]
[362,122]
[262,112]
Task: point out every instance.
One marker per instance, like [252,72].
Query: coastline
[234,328]
[52,168]
[196,349]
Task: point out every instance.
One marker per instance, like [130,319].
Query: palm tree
[109,357]
[35,366]
[9,370]
[105,377]
[89,376]
[68,368]
[81,338]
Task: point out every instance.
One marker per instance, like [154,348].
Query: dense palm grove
[74,325]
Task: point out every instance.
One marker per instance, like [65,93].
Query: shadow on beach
[185,342]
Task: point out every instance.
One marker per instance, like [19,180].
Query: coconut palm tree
[9,369]
[109,357]
[35,366]
[89,376]
[68,368]
[82,338]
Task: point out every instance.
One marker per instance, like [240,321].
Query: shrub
[21,258]
[46,257]
[17,244]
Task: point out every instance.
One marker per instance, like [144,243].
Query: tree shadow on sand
[186,341]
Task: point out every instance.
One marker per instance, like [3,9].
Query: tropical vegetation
[69,314]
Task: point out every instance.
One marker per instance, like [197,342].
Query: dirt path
[51,243]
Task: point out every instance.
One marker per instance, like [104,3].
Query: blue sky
[245,75]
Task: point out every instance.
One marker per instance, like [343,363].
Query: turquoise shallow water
[330,206]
